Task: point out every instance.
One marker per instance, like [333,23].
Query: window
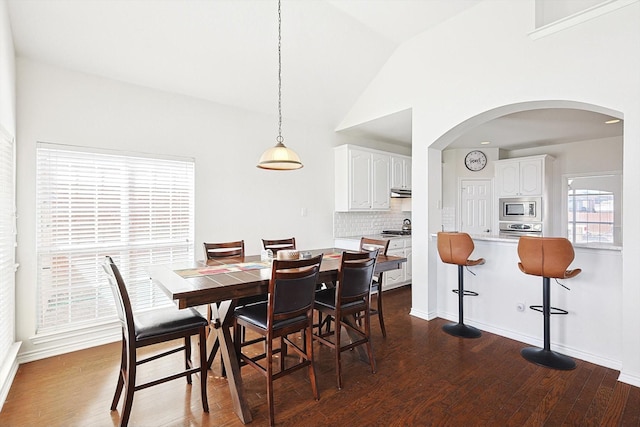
[594,208]
[7,244]
[136,208]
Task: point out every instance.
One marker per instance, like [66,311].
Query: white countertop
[514,239]
[375,236]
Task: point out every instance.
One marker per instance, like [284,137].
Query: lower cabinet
[395,278]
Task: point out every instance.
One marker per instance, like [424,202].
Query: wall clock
[475,160]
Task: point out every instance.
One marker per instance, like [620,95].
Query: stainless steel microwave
[521,209]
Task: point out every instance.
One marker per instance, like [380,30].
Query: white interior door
[476,206]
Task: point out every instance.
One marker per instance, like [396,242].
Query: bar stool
[455,248]
[547,257]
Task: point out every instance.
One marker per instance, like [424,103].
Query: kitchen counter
[375,236]
[514,239]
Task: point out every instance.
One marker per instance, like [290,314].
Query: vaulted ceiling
[225,51]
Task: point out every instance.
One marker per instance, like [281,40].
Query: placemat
[228,268]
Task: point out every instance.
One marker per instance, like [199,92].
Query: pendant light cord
[280,139]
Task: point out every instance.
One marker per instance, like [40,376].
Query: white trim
[538,342]
[94,329]
[578,18]
[8,372]
[55,344]
[634,380]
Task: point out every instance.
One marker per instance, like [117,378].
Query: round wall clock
[475,160]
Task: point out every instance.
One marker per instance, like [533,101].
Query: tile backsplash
[346,224]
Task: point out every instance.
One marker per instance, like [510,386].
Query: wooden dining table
[221,282]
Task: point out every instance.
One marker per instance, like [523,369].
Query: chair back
[223,250]
[545,256]
[355,276]
[120,295]
[367,244]
[292,288]
[454,247]
[279,244]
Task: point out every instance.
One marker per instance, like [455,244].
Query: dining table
[221,282]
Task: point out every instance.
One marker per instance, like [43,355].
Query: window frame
[617,213]
[126,207]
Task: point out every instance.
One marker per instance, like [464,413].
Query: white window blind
[7,243]
[136,208]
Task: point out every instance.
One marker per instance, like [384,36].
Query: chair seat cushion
[166,321]
[256,314]
[326,298]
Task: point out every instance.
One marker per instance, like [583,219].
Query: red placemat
[228,268]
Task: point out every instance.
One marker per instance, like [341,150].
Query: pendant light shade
[279,157]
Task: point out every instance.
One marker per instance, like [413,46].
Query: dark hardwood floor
[424,377]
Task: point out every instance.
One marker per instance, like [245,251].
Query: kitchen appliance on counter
[406,225]
[521,209]
[515,229]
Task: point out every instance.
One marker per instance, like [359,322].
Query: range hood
[401,192]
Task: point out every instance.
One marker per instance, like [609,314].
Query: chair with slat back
[348,304]
[224,249]
[148,328]
[221,251]
[279,244]
[288,310]
[382,245]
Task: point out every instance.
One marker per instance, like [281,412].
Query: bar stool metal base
[548,358]
[461,330]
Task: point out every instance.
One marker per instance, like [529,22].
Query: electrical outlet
[520,306]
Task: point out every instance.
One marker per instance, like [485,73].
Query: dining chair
[224,249]
[348,304]
[213,251]
[279,244]
[149,328]
[288,309]
[382,245]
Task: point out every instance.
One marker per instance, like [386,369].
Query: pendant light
[279,157]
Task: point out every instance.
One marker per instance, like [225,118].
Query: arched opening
[501,285]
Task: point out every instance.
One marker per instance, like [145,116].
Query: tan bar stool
[547,257]
[455,248]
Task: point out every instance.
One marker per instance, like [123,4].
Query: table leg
[230,359]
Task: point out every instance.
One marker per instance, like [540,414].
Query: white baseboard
[537,342]
[634,380]
[65,342]
[8,372]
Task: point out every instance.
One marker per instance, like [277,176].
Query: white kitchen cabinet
[401,172]
[400,277]
[525,176]
[362,179]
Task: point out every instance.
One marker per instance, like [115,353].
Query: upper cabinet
[400,172]
[525,176]
[363,179]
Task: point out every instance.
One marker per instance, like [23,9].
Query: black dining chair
[149,328]
[288,310]
[348,305]
[226,250]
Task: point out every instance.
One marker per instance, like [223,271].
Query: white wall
[8,361]
[234,199]
[7,73]
[483,64]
